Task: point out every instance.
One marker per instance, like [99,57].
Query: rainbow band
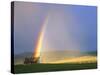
[40,39]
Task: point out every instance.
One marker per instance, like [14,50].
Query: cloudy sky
[68,27]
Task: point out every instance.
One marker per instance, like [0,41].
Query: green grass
[52,67]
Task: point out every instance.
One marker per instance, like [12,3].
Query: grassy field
[52,67]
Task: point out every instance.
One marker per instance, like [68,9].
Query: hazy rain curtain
[55,42]
[62,37]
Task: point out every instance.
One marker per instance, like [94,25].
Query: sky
[68,27]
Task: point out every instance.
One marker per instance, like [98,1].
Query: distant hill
[19,58]
[53,55]
[93,53]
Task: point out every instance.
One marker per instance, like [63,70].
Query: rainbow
[38,49]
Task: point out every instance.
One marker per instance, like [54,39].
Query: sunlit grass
[82,59]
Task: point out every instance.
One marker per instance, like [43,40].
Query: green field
[52,67]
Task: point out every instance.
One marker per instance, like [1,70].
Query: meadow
[29,68]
